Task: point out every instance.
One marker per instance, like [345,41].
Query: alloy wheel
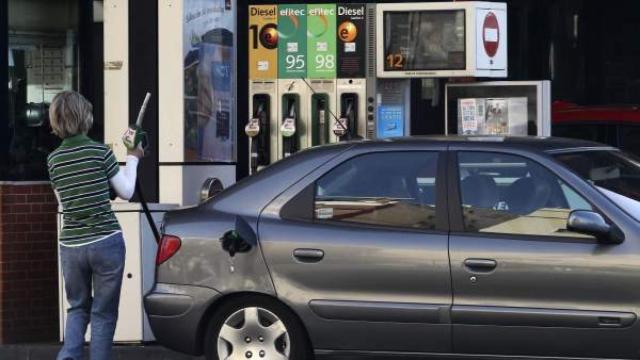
[253,333]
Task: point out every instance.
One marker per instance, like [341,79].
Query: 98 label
[325,62]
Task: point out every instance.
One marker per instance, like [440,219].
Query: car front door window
[507,194]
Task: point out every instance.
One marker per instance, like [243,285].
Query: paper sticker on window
[324,213]
[468,110]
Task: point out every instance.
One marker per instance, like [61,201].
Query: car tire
[256,340]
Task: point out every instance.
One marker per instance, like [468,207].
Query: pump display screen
[424,40]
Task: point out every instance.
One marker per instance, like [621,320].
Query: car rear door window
[509,194]
[395,189]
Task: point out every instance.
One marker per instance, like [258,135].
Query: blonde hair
[70,114]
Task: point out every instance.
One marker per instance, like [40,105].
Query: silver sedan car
[415,247]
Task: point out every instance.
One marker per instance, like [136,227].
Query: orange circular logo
[347,31]
[269,36]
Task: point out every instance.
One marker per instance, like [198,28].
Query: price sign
[263,42]
[321,35]
[292,41]
[352,35]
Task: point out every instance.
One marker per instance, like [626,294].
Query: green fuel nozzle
[135,136]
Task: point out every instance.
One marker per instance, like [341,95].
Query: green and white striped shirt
[80,170]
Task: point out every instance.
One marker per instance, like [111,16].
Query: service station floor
[120,352]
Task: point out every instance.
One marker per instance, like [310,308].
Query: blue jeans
[100,263]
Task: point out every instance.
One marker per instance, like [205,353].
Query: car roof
[532,143]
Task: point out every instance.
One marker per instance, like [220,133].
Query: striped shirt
[80,170]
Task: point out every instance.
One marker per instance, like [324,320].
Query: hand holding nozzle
[134,138]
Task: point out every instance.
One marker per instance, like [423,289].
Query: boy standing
[92,249]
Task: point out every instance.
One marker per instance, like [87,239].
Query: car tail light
[169,246]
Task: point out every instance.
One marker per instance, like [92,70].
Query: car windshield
[614,173]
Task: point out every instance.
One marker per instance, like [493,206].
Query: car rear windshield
[613,172]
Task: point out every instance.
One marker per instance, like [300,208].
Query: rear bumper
[175,313]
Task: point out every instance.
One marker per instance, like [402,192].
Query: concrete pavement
[120,352]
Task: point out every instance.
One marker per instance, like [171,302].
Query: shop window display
[42,62]
[209,58]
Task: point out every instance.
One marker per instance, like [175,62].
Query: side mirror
[591,223]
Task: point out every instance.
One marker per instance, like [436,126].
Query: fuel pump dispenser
[321,71]
[290,129]
[262,128]
[320,120]
[293,134]
[258,147]
[353,63]
[352,108]
[323,104]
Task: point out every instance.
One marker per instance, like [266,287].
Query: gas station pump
[290,129]
[262,128]
[320,118]
[352,108]
[321,71]
[293,92]
[343,71]
[348,117]
[351,86]
[323,105]
[259,129]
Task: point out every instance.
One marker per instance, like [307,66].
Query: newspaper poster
[497,120]
[471,116]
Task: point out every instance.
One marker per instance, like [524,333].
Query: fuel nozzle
[288,130]
[341,126]
[322,121]
[252,129]
[135,136]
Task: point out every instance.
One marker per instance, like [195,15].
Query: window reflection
[42,62]
[508,194]
[390,189]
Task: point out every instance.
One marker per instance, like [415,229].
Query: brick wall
[28,263]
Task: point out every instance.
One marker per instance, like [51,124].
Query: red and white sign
[491,39]
[491,34]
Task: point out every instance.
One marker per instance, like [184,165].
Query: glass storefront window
[42,55]
[209,80]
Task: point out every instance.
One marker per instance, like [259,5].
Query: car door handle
[308,255]
[610,321]
[480,265]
